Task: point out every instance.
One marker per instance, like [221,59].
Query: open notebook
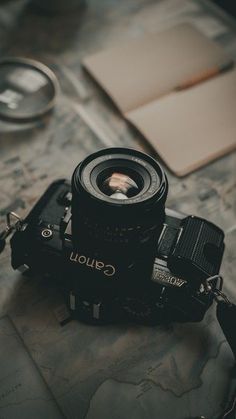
[144,77]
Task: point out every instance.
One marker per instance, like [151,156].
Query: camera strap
[10,227]
[226,316]
[225,311]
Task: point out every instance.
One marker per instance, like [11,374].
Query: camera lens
[118,208]
[118,184]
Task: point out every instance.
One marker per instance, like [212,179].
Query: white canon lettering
[90,263]
[73,257]
[99,265]
[110,270]
[82,259]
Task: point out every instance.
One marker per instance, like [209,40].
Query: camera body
[113,270]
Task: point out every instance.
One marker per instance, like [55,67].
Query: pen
[205,76]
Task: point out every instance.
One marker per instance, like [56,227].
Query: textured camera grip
[198,250]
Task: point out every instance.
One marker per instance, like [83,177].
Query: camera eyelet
[46,233]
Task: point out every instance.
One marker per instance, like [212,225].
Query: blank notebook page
[194,126]
[144,69]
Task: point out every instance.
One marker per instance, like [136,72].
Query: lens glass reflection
[119,186]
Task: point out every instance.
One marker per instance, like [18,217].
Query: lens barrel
[118,209]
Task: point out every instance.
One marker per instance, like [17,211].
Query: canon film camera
[114,250]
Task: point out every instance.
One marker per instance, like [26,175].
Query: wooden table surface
[109,372]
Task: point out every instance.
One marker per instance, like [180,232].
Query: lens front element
[118,185]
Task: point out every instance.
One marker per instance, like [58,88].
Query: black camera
[113,248]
